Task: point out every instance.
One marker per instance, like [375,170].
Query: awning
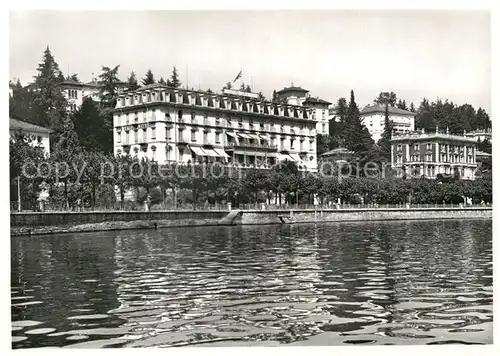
[296,157]
[243,135]
[264,137]
[210,152]
[255,137]
[283,157]
[198,151]
[221,152]
[232,134]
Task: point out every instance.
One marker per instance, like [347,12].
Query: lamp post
[18,194]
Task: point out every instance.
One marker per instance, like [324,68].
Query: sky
[415,53]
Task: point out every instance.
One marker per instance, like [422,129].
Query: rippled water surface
[421,282]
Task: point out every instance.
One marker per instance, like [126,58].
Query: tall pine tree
[93,130]
[174,79]
[132,82]
[149,78]
[385,140]
[356,135]
[49,105]
[108,80]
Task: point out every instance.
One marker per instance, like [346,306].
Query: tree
[402,104]
[484,146]
[174,79]
[341,110]
[73,77]
[412,107]
[228,85]
[385,140]
[48,105]
[275,97]
[357,138]
[482,119]
[162,81]
[386,98]
[132,82]
[108,80]
[248,89]
[149,78]
[425,116]
[94,132]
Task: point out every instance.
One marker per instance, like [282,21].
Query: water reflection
[329,284]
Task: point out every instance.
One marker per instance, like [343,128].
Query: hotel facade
[422,154]
[235,128]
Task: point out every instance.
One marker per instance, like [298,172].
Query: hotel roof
[370,109]
[292,88]
[316,101]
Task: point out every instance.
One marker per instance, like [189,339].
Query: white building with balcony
[185,126]
[373,117]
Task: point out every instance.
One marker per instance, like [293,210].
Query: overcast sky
[416,54]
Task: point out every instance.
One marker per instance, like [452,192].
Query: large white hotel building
[185,126]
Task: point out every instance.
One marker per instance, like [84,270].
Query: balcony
[243,145]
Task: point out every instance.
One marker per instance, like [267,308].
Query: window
[118,137]
[428,157]
[240,122]
[153,151]
[416,147]
[400,147]
[324,128]
[429,146]
[399,159]
[144,135]
[292,144]
[136,136]
[39,139]
[217,137]
[180,115]
[153,133]
[193,117]
[205,137]
[126,137]
[193,135]
[168,134]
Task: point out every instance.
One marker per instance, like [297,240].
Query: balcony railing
[250,145]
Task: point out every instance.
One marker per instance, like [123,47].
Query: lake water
[406,282]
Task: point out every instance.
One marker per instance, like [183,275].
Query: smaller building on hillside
[340,154]
[427,155]
[75,92]
[480,135]
[39,135]
[373,117]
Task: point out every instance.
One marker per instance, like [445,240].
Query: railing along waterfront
[130,206]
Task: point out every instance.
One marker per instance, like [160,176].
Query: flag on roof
[237,77]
